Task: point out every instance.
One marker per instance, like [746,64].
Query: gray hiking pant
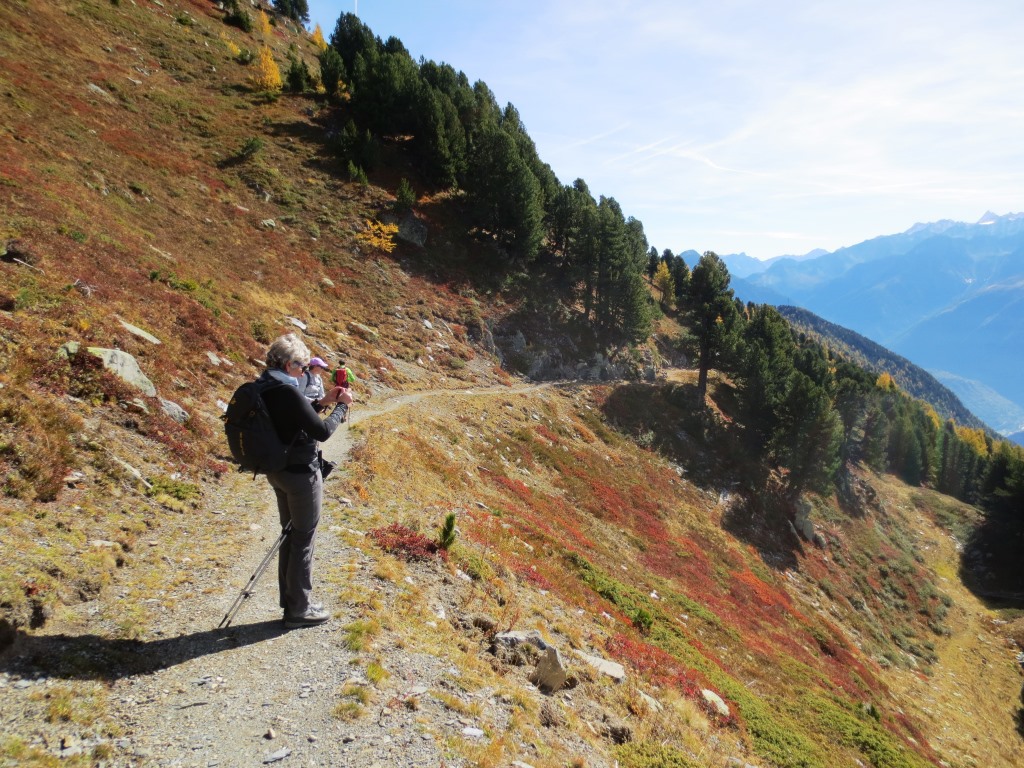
[299,499]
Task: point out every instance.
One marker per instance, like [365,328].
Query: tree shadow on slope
[990,560]
[706,446]
[764,522]
[662,417]
[91,657]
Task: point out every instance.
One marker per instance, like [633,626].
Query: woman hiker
[299,486]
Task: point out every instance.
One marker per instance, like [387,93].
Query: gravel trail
[186,693]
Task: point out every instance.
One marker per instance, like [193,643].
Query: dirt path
[254,692]
[189,694]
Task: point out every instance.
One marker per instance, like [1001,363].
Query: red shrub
[764,593]
[518,487]
[405,543]
[662,669]
[547,434]
[530,575]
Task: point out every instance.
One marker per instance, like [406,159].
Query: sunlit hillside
[159,201]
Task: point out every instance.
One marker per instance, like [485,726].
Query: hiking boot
[313,616]
[312,607]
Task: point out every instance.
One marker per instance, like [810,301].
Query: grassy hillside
[148,185]
[130,196]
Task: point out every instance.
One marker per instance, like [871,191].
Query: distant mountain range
[948,296]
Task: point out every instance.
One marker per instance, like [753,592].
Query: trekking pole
[247,590]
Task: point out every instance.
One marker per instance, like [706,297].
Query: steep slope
[877,359]
[157,205]
[148,183]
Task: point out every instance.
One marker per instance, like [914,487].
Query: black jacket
[295,420]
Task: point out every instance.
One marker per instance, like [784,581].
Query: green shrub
[237,16]
[643,620]
[858,727]
[250,148]
[260,331]
[173,488]
[645,754]
[405,198]
[446,537]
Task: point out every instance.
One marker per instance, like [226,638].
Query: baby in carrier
[313,388]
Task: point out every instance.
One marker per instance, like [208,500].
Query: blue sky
[748,126]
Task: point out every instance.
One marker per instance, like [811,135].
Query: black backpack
[252,439]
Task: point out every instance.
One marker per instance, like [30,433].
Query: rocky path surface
[257,693]
[189,694]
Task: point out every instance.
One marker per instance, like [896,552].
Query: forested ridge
[804,410]
[874,357]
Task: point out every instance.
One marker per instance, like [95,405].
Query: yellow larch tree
[379,235]
[263,24]
[233,49]
[975,438]
[318,38]
[267,76]
[664,283]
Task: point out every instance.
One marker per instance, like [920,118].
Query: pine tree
[652,262]
[807,443]
[611,244]
[440,138]
[352,38]
[297,10]
[332,72]
[506,196]
[764,372]
[405,198]
[298,76]
[237,16]
[712,314]
[876,438]
[680,277]
[448,533]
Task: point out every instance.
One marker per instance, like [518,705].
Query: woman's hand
[338,395]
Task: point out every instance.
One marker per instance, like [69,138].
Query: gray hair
[286,348]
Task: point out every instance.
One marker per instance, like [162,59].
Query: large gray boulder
[550,674]
[118,362]
[410,229]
